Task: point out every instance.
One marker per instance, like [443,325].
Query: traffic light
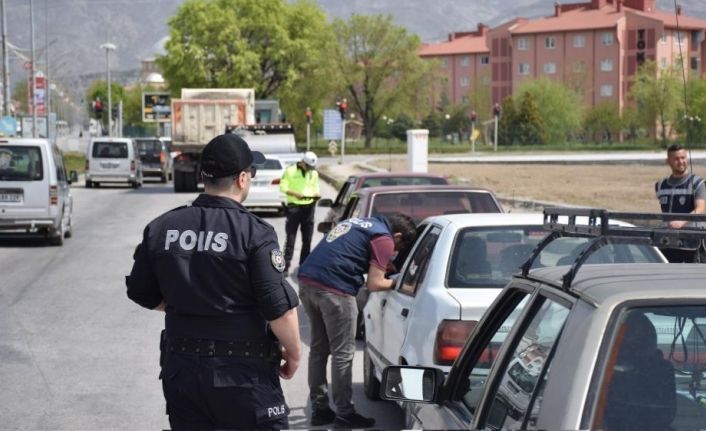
[342,107]
[97,108]
[474,117]
[496,110]
[309,115]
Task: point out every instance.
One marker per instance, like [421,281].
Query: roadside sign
[332,124]
[8,126]
[42,129]
[156,108]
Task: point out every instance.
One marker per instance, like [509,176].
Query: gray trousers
[332,319]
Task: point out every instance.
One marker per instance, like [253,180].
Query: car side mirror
[326,202]
[324,226]
[416,384]
[73,177]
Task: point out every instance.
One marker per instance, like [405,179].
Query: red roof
[461,45]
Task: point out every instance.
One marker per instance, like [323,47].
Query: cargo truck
[202,114]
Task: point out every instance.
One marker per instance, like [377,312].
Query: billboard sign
[156,107]
[332,124]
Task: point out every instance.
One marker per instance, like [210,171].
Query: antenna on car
[562,223]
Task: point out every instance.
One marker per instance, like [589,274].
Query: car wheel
[360,327]
[69,228]
[134,184]
[163,178]
[89,184]
[96,185]
[57,236]
[371,385]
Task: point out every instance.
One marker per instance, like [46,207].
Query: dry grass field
[628,187]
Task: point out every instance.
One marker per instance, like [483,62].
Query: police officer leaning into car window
[684,193]
[300,183]
[231,326]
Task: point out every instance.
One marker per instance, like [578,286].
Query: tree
[507,124]
[559,108]
[602,120]
[530,126]
[20,94]
[657,94]
[379,68]
[275,47]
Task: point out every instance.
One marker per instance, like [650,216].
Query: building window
[484,59]
[445,62]
[464,99]
[663,39]
[524,68]
[606,38]
[679,63]
[464,81]
[549,42]
[663,63]
[606,90]
[579,41]
[579,66]
[465,61]
[550,68]
[694,64]
[607,65]
[680,37]
[523,44]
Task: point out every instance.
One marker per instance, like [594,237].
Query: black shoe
[322,416]
[353,420]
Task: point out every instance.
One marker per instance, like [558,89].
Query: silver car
[615,347]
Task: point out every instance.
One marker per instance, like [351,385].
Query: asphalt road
[76,353]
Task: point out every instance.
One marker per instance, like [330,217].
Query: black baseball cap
[227,155]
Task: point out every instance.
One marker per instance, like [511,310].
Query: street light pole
[5,63]
[32,71]
[109,47]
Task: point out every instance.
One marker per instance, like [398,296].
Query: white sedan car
[457,267]
[264,189]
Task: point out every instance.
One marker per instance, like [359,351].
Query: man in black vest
[683,193]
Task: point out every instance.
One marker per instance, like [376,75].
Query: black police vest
[678,198]
[343,256]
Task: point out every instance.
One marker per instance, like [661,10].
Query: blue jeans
[333,322]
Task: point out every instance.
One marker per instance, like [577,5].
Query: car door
[64,189]
[468,377]
[397,307]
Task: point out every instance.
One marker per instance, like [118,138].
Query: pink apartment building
[594,47]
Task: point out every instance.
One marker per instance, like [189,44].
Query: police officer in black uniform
[684,193]
[231,326]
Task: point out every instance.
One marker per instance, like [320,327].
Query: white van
[35,192]
[113,160]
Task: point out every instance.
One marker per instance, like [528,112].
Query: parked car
[417,202]
[113,160]
[155,157]
[35,192]
[264,189]
[458,266]
[374,179]
[586,346]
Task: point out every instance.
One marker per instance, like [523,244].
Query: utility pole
[47,82]
[109,47]
[32,71]
[5,63]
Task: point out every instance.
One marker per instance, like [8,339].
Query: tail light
[451,335]
[162,159]
[87,165]
[275,181]
[53,195]
[132,165]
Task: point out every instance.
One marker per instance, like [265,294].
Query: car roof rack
[598,226]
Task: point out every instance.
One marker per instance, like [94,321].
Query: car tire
[56,237]
[360,327]
[371,385]
[96,185]
[89,184]
[163,178]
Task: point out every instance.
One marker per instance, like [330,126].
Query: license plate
[10,197]
[109,165]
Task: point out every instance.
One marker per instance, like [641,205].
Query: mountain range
[75,29]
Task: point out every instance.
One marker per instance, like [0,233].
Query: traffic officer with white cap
[231,325]
[300,183]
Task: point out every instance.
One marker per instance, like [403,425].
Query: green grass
[75,161]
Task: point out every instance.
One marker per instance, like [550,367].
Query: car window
[417,268]
[565,250]
[655,372]
[110,150]
[402,181]
[60,169]
[526,366]
[148,146]
[422,204]
[270,164]
[344,193]
[478,373]
[21,163]
[488,257]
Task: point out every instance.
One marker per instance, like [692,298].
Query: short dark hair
[674,147]
[403,224]
[218,183]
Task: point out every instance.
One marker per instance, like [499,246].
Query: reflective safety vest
[296,179]
[679,197]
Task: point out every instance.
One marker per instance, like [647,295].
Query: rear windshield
[20,163]
[110,150]
[402,181]
[148,146]
[488,257]
[423,204]
[270,164]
